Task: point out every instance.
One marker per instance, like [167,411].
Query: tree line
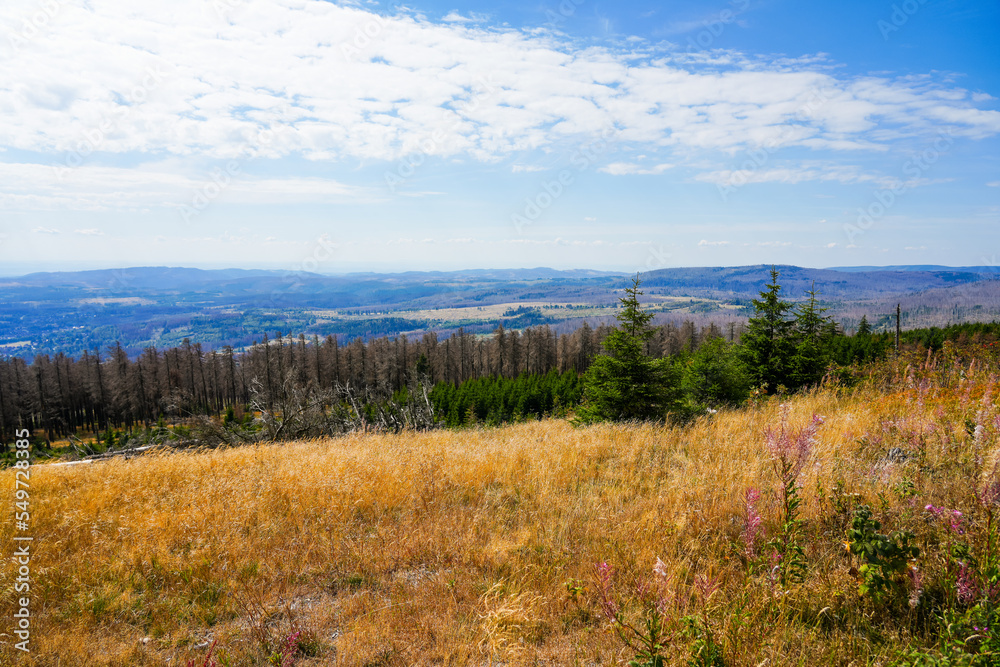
[783,347]
[59,395]
[630,371]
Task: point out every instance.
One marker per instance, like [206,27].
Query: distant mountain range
[854,283]
[920,267]
[239,283]
[160,306]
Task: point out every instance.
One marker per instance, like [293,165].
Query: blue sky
[337,137]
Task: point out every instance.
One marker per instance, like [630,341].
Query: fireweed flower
[290,647]
[605,590]
[966,585]
[955,522]
[954,517]
[665,584]
[790,447]
[751,528]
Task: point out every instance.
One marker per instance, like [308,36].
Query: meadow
[543,543]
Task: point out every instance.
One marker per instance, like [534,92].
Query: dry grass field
[480,546]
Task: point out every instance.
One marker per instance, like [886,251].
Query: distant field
[489,312]
[160,307]
[555,311]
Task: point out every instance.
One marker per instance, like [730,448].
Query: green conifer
[625,383]
[768,342]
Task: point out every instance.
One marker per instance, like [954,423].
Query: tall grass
[478,546]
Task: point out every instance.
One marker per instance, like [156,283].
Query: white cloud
[522,168]
[97,188]
[810,171]
[703,242]
[626,168]
[89,232]
[45,230]
[336,82]
[455,17]
[993,184]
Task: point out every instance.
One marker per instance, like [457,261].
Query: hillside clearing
[479,546]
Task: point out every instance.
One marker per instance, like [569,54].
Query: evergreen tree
[864,329]
[714,376]
[768,342]
[422,368]
[813,330]
[625,383]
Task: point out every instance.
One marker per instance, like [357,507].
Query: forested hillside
[298,387]
[59,394]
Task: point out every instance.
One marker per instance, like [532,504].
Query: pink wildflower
[954,518]
[665,585]
[290,647]
[605,589]
[956,523]
[791,447]
[968,591]
[751,528]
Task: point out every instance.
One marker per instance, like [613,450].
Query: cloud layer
[307,78]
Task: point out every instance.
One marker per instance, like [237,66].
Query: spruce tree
[625,383]
[813,332]
[767,342]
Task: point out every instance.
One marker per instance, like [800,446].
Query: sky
[625,136]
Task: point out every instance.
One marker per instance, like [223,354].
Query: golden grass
[457,547]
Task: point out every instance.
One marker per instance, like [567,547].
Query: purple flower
[751,528]
[791,447]
[966,585]
[605,588]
